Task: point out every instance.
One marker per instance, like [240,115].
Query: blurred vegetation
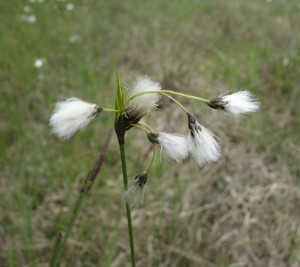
[241,211]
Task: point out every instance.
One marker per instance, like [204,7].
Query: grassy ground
[241,211]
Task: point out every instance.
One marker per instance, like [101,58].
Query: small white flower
[202,144]
[39,62]
[31,19]
[285,61]
[70,6]
[174,147]
[71,115]
[239,103]
[74,38]
[135,192]
[142,104]
[27,9]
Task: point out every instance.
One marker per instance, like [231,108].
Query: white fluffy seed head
[172,146]
[142,104]
[240,103]
[202,143]
[135,192]
[71,115]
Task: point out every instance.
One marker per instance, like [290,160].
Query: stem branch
[174,100]
[110,110]
[203,100]
[143,123]
[137,126]
[152,159]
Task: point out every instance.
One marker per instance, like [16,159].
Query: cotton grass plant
[134,101]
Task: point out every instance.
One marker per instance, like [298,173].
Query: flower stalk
[122,124]
[177,102]
[110,110]
[163,92]
[128,213]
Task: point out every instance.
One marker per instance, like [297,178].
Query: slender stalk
[143,123]
[203,100]
[110,110]
[137,126]
[174,100]
[152,159]
[125,179]
[85,187]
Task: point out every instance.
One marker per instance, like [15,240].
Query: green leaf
[120,95]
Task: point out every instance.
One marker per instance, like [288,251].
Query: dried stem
[84,189]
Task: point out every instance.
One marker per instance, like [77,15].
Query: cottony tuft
[202,144]
[71,115]
[239,103]
[145,103]
[135,192]
[173,147]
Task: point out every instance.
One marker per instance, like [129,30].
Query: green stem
[137,126]
[110,110]
[125,179]
[203,100]
[141,122]
[174,100]
[152,159]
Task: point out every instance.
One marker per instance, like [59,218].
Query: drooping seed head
[202,143]
[71,115]
[134,194]
[172,146]
[239,103]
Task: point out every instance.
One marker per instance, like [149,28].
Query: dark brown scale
[97,111]
[141,179]
[193,125]
[217,103]
[130,121]
[153,138]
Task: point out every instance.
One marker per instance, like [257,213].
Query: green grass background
[241,211]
